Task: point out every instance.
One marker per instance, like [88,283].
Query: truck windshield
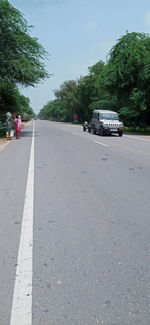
[109,116]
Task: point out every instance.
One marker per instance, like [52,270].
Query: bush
[138,130]
[2,130]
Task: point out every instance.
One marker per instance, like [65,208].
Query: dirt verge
[3,143]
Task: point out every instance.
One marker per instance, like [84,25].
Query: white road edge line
[21,312]
[133,137]
[102,144]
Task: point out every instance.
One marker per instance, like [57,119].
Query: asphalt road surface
[74,228]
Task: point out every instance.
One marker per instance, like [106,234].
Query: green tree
[13,101]
[21,61]
[105,104]
[23,107]
[53,110]
[68,95]
[126,75]
[92,94]
[21,56]
[86,93]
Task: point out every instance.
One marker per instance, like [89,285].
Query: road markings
[74,133]
[102,144]
[133,137]
[21,312]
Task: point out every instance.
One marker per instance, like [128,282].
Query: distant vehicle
[85,126]
[90,126]
[106,122]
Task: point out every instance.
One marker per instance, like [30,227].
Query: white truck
[106,122]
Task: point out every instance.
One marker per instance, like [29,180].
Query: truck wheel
[94,130]
[120,133]
[101,131]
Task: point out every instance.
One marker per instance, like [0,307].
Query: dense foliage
[11,100]
[121,84]
[21,60]
[127,76]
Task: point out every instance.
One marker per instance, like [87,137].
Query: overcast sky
[77,34]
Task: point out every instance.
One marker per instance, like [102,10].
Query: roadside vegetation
[121,84]
[143,130]
[21,62]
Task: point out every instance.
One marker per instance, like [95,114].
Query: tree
[121,84]
[105,104]
[23,107]
[127,75]
[21,60]
[53,110]
[68,94]
[92,94]
[86,93]
[21,56]
[13,101]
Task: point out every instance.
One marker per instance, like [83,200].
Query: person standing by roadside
[18,124]
[9,126]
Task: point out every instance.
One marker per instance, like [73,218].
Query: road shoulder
[3,143]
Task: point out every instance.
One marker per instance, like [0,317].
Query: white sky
[77,34]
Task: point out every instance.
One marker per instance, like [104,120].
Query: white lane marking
[133,137]
[102,144]
[74,133]
[64,129]
[21,312]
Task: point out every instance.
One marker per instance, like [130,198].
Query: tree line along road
[74,228]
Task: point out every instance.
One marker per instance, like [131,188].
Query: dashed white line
[102,144]
[21,312]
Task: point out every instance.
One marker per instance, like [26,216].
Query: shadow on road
[25,133]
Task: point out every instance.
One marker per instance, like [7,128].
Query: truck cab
[106,122]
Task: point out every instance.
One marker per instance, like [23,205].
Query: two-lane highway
[83,252]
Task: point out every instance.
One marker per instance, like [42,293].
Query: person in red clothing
[18,124]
